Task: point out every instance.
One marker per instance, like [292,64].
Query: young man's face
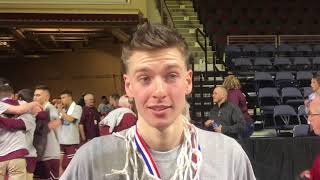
[158,81]
[112,101]
[41,96]
[66,99]
[314,85]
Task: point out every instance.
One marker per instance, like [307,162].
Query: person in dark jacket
[225,117]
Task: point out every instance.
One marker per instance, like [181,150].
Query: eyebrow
[147,69]
[313,114]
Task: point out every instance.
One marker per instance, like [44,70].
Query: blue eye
[172,76]
[144,79]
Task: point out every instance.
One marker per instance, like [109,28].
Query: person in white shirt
[68,132]
[48,164]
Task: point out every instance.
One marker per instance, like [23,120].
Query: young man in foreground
[163,144]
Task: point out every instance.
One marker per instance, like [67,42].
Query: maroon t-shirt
[236,97]
[90,119]
[127,121]
[315,170]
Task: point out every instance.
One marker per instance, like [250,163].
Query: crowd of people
[39,138]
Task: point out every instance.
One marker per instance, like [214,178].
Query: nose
[160,87]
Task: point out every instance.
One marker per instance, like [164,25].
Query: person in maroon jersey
[90,119]
[120,118]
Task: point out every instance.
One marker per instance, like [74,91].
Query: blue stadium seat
[267,50]
[292,96]
[284,79]
[282,63]
[284,118]
[286,50]
[250,50]
[262,64]
[301,63]
[242,64]
[268,98]
[304,50]
[303,78]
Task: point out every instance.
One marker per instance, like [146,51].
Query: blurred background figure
[120,118]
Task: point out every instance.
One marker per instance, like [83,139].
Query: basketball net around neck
[138,157]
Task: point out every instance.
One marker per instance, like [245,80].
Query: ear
[128,85]
[188,82]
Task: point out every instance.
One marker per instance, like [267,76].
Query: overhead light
[63,29]
[7,38]
[35,56]
[4,44]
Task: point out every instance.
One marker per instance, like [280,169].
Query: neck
[220,103]
[161,139]
[44,104]
[69,104]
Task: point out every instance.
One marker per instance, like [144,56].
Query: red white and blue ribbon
[196,156]
[149,162]
[147,158]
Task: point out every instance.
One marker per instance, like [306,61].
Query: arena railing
[252,39]
[165,14]
[298,39]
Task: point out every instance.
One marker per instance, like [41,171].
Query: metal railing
[165,14]
[298,39]
[203,47]
[252,39]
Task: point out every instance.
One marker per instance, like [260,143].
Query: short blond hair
[231,82]
[124,101]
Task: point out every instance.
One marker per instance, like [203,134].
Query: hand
[218,129]
[209,123]
[54,124]
[35,107]
[60,107]
[305,174]
[83,138]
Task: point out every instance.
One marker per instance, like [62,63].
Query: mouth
[159,109]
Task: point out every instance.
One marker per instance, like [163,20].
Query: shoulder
[85,109]
[77,107]
[217,144]
[101,154]
[77,110]
[214,108]
[129,116]
[222,151]
[230,105]
[104,145]
[29,120]
[216,139]
[28,117]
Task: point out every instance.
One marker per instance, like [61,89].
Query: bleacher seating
[284,118]
[263,44]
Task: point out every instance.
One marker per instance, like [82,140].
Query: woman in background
[235,96]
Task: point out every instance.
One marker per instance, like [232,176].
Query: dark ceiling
[37,35]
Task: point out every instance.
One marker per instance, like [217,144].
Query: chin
[160,122]
[317,132]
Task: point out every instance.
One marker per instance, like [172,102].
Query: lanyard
[147,158]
